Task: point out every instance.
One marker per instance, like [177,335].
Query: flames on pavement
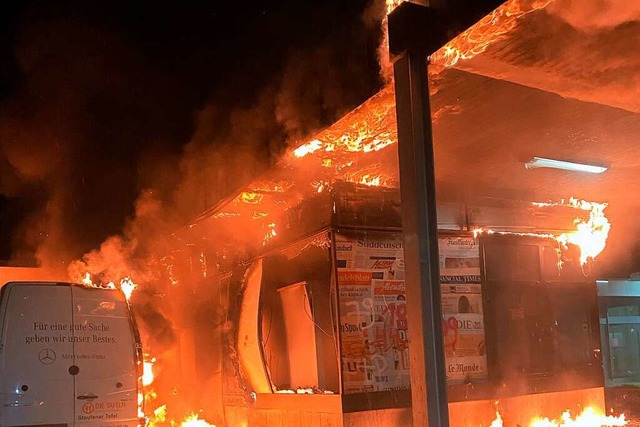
[590,417]
[158,416]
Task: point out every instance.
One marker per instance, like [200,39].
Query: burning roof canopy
[528,81]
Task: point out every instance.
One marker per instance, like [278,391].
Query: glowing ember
[271,186]
[192,420]
[321,185]
[251,198]
[479,231]
[308,148]
[270,234]
[226,215]
[259,215]
[481,35]
[370,176]
[127,286]
[203,265]
[372,181]
[170,273]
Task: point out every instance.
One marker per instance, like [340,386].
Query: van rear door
[35,385]
[106,378]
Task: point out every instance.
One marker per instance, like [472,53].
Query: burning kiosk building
[310,254]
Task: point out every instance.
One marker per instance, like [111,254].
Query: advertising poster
[463,323]
[373,317]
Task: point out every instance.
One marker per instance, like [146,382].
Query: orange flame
[226,215]
[321,185]
[127,286]
[371,181]
[308,148]
[270,234]
[271,186]
[251,198]
[192,420]
[259,215]
[497,422]
[147,372]
[392,4]
[590,236]
[356,140]
[87,279]
[481,35]
[590,417]
[158,417]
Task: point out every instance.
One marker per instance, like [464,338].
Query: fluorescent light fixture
[541,162]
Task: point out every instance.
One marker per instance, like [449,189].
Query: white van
[70,355]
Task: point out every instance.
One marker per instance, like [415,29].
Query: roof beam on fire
[429,28]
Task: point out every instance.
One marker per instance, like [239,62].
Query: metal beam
[419,224]
[415,32]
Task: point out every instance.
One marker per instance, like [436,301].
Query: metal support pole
[419,223]
[415,32]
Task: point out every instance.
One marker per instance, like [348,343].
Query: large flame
[590,417]
[192,420]
[127,286]
[482,34]
[147,372]
[590,236]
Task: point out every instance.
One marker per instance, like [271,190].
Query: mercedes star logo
[47,356]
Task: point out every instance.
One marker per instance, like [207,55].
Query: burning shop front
[311,260]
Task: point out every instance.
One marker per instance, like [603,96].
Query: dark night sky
[100,100]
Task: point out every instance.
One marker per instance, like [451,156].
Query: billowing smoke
[597,15]
[111,152]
